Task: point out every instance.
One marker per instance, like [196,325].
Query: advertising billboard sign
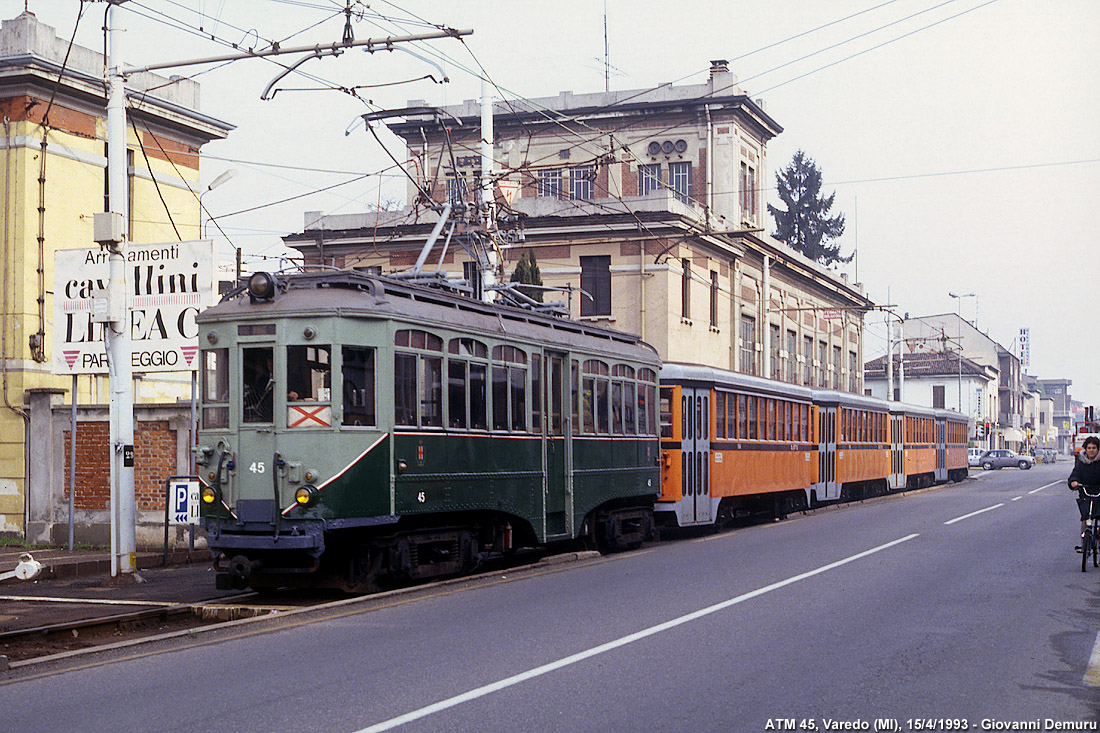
[167,285]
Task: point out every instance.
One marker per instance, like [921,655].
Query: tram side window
[536,393]
[308,373]
[629,421]
[752,434]
[456,393]
[603,417]
[596,398]
[431,382]
[215,388]
[771,419]
[500,398]
[555,368]
[479,405]
[404,389]
[617,408]
[518,382]
[666,412]
[575,395]
[588,404]
[258,380]
[509,389]
[720,414]
[357,378]
[647,402]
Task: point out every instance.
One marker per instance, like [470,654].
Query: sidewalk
[62,564]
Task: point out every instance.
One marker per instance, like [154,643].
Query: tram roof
[354,294]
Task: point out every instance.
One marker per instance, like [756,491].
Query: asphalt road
[961,607]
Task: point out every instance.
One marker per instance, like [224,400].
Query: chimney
[721,80]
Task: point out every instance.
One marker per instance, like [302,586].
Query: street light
[213,184]
[958,304]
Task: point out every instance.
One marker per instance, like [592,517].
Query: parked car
[1000,458]
[973,455]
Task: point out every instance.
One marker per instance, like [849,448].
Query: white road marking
[1092,672]
[615,644]
[1017,498]
[973,514]
[1036,491]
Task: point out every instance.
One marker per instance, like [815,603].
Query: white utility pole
[489,277]
[117,332]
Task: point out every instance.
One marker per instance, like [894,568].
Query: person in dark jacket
[1086,471]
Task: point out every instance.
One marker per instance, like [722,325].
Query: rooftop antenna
[606,53]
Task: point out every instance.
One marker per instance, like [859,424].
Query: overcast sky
[960,137]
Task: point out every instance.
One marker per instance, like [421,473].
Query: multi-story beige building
[648,201]
[53,109]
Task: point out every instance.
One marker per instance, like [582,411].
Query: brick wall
[154,461]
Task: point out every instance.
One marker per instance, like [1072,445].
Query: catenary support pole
[124,556]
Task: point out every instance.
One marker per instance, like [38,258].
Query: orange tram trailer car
[734,446]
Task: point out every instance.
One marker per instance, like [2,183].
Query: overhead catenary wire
[533,165]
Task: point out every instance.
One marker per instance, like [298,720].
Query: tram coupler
[237,575]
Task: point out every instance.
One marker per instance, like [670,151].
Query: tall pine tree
[527,273]
[806,226]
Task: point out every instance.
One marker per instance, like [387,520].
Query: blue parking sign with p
[185,502]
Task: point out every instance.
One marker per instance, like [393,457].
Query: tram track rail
[151,618]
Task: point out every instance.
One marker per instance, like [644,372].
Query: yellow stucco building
[53,177]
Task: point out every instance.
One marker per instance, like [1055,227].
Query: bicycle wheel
[1086,546]
[1095,551]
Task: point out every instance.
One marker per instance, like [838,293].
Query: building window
[748,345]
[836,367]
[649,179]
[939,398]
[853,372]
[773,349]
[596,282]
[456,189]
[792,353]
[713,299]
[679,180]
[685,289]
[581,182]
[550,184]
[472,272]
[748,192]
[822,363]
[808,360]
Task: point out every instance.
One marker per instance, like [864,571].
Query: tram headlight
[209,495]
[261,286]
[306,495]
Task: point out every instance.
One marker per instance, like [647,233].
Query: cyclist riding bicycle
[1086,471]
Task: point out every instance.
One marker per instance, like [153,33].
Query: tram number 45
[257,467]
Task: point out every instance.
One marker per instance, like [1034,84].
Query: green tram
[357,429]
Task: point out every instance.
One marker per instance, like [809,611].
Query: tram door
[257,444]
[558,447]
[695,507]
[897,451]
[941,450]
[829,489]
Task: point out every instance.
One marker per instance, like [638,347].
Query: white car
[973,455]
